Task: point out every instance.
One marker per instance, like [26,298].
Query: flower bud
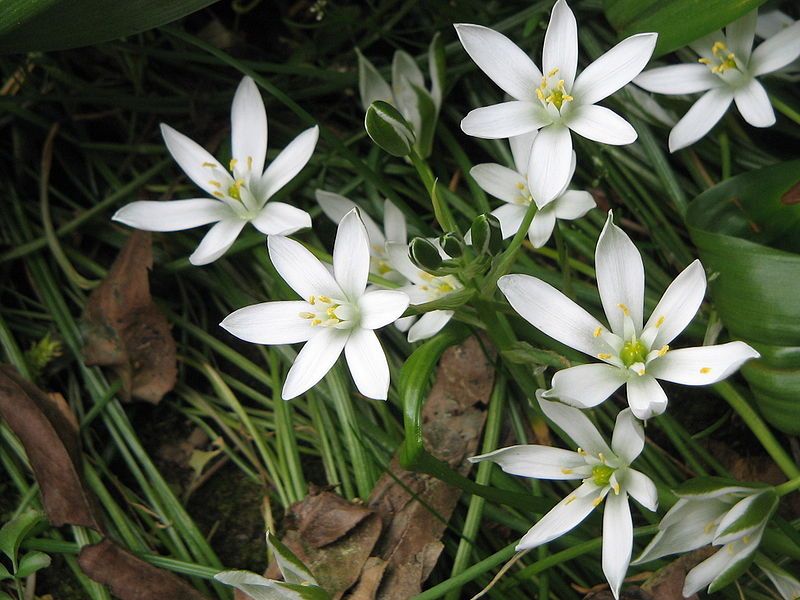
[388,129]
[452,244]
[424,254]
[487,238]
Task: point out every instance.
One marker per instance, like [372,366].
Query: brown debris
[125,330]
[49,433]
[667,582]
[792,195]
[130,578]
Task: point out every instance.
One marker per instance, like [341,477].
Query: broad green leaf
[32,562]
[292,568]
[13,532]
[4,574]
[677,22]
[27,25]
[746,231]
[758,512]
[388,129]
[713,487]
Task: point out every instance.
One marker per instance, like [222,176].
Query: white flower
[605,473]
[239,196]
[512,186]
[336,206]
[731,516]
[557,101]
[335,313]
[632,354]
[787,585]
[422,287]
[726,72]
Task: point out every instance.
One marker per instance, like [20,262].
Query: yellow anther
[615,487]
[746,539]
[597,332]
[704,61]
[569,499]
[426,276]
[306,315]
[601,457]
[640,371]
[331,311]
[312,299]
[709,527]
[663,350]
[625,310]
[581,452]
[324,299]
[249,163]
[210,165]
[603,356]
[232,164]
[597,501]
[540,94]
[552,72]
[705,370]
[424,288]
[215,183]
[660,322]
[718,47]
[445,288]
[218,194]
[543,85]
[520,186]
[566,471]
[316,322]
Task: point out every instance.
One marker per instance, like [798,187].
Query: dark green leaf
[677,22]
[27,25]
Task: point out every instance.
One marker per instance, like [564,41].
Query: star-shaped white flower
[336,206]
[336,312]
[422,287]
[512,186]
[240,194]
[557,102]
[727,72]
[605,474]
[631,353]
[731,517]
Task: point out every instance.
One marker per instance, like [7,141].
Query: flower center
[524,196]
[327,312]
[436,287]
[240,179]
[634,351]
[552,91]
[601,475]
[723,60]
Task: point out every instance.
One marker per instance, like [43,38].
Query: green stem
[506,259]
[788,486]
[725,155]
[785,109]
[759,428]
[563,259]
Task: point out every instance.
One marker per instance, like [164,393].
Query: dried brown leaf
[131,578]
[125,330]
[667,582]
[49,433]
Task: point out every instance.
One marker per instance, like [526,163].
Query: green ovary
[633,352]
[601,474]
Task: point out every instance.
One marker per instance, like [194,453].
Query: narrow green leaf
[32,562]
[27,25]
[292,568]
[13,532]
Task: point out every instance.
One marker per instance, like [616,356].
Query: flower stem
[506,259]
[563,258]
[785,109]
[759,428]
[787,486]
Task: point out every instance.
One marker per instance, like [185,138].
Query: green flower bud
[424,254]
[452,244]
[487,238]
[388,129]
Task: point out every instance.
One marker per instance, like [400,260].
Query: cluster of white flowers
[338,312]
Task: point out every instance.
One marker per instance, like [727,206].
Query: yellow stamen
[640,372]
[316,322]
[540,94]
[660,322]
[601,457]
[218,194]
[232,164]
[663,350]
[603,356]
[625,310]
[552,72]
[597,332]
[581,451]
[249,163]
[569,500]
[520,186]
[597,501]
[615,487]
[704,61]
[705,370]
[215,183]
[566,471]
[306,315]
[312,300]
[210,165]
[324,299]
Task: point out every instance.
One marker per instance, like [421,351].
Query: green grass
[109,100]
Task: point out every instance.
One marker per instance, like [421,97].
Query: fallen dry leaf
[125,330]
[49,433]
[667,582]
[130,578]
[415,507]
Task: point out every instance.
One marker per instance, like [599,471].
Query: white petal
[646,397]
[248,130]
[303,271]
[404,323]
[521,146]
[772,23]
[270,323]
[288,163]
[371,86]
[678,79]
[552,312]
[628,438]
[429,325]
[540,462]
[788,587]
[510,217]
[601,124]
[501,59]
[702,365]
[561,44]
[776,52]
[704,45]
[199,165]
[351,255]
[617,540]
[394,223]
[380,307]
[740,35]
[614,69]
[549,170]
[678,305]
[278,218]
[708,570]
[400,262]
[620,277]
[562,518]
[544,221]
[575,424]
[734,514]
[641,488]
[586,386]
[504,120]
[367,363]
[217,241]
[314,361]
[172,215]
[573,204]
[754,105]
[499,181]
[336,206]
[700,118]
